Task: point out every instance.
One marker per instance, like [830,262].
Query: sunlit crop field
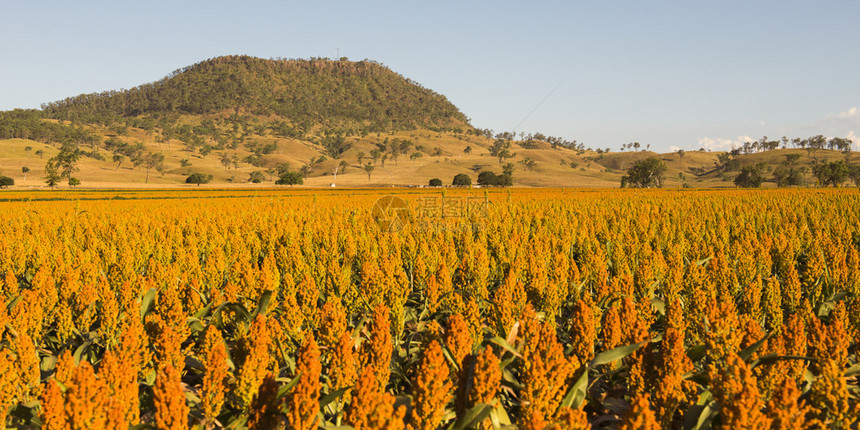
[531,309]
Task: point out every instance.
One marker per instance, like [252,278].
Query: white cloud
[719,144]
[850,113]
[762,123]
[674,148]
[853,137]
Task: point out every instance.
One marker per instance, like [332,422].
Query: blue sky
[666,73]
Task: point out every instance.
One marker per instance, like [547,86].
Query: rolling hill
[337,122]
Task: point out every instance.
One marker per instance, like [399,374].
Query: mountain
[361,96]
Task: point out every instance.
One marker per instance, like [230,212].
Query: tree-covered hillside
[341,95]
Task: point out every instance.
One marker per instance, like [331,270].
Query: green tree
[152,161]
[529,163]
[25,170]
[66,161]
[118,159]
[854,174]
[462,180]
[305,170]
[645,173]
[340,167]
[490,179]
[751,176]
[225,160]
[52,173]
[290,178]
[198,178]
[830,173]
[74,182]
[375,154]
[6,181]
[334,145]
[282,168]
[368,168]
[487,179]
[257,177]
[788,173]
[502,149]
[435,182]
[467,150]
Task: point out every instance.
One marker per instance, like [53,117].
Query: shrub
[435,182]
[6,181]
[256,177]
[462,180]
[198,178]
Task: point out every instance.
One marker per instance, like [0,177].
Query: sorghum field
[533,309]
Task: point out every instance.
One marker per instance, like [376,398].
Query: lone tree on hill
[368,168]
[645,173]
[6,181]
[751,176]
[198,178]
[52,174]
[435,182]
[290,178]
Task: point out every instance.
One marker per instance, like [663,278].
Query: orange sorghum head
[303,403]
[372,408]
[583,331]
[640,416]
[736,390]
[53,407]
[786,409]
[545,373]
[171,411]
[671,389]
[458,340]
[214,359]
[378,347]
[342,364]
[486,381]
[332,322]
[86,399]
[830,398]
[431,389]
[257,360]
[27,366]
[121,380]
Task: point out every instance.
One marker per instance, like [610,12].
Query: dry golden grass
[591,169]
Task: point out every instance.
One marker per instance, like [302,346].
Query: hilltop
[349,123]
[310,95]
